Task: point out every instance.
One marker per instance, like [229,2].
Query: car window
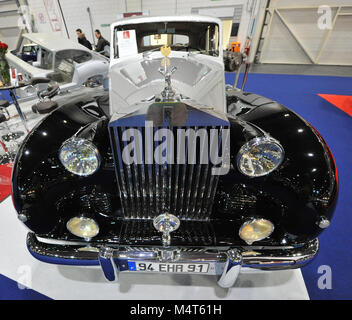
[65,61]
[23,45]
[81,56]
[164,39]
[27,51]
[77,56]
[180,35]
[46,59]
[30,49]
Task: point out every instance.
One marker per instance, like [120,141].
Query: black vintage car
[174,171]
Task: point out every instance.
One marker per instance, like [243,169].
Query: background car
[63,61]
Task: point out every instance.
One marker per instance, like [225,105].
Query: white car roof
[195,18]
[54,42]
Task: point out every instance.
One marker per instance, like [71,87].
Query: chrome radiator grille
[195,232]
[148,190]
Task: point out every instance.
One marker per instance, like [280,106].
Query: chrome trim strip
[245,248]
[61,242]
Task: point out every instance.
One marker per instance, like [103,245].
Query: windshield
[180,35]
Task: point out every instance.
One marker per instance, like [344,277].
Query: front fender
[304,189]
[39,179]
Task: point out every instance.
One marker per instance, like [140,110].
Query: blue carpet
[4,95]
[9,291]
[300,94]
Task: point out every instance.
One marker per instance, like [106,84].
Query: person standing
[102,43]
[83,40]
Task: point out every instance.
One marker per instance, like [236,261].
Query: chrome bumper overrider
[226,262]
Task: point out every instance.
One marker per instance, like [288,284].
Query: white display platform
[67,282]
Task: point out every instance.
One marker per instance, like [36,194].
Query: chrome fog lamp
[256,230]
[83,227]
[260,156]
[80,156]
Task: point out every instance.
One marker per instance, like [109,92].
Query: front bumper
[225,262]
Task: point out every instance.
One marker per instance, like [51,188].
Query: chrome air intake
[149,189]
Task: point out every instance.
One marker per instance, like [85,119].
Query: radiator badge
[166,223]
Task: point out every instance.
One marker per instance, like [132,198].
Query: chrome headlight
[80,156]
[256,230]
[83,227]
[260,156]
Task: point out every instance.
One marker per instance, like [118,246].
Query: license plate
[168,267]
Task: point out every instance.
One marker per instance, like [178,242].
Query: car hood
[195,77]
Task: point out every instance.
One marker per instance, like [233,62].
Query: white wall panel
[338,49]
[310,36]
[308,3]
[103,12]
[43,12]
[106,11]
[282,47]
[295,36]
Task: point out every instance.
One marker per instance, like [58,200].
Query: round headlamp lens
[83,227]
[260,156]
[256,230]
[80,156]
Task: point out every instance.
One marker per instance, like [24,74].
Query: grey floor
[302,69]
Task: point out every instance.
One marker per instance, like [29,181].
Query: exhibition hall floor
[325,102]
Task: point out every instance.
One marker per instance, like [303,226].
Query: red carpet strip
[344,103]
[5,181]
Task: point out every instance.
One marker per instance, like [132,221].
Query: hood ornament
[166,223]
[167,71]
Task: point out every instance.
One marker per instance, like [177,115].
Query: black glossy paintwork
[294,197]
[39,179]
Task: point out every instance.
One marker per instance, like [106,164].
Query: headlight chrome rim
[255,143]
[252,221]
[82,218]
[75,141]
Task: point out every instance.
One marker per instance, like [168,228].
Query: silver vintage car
[63,61]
